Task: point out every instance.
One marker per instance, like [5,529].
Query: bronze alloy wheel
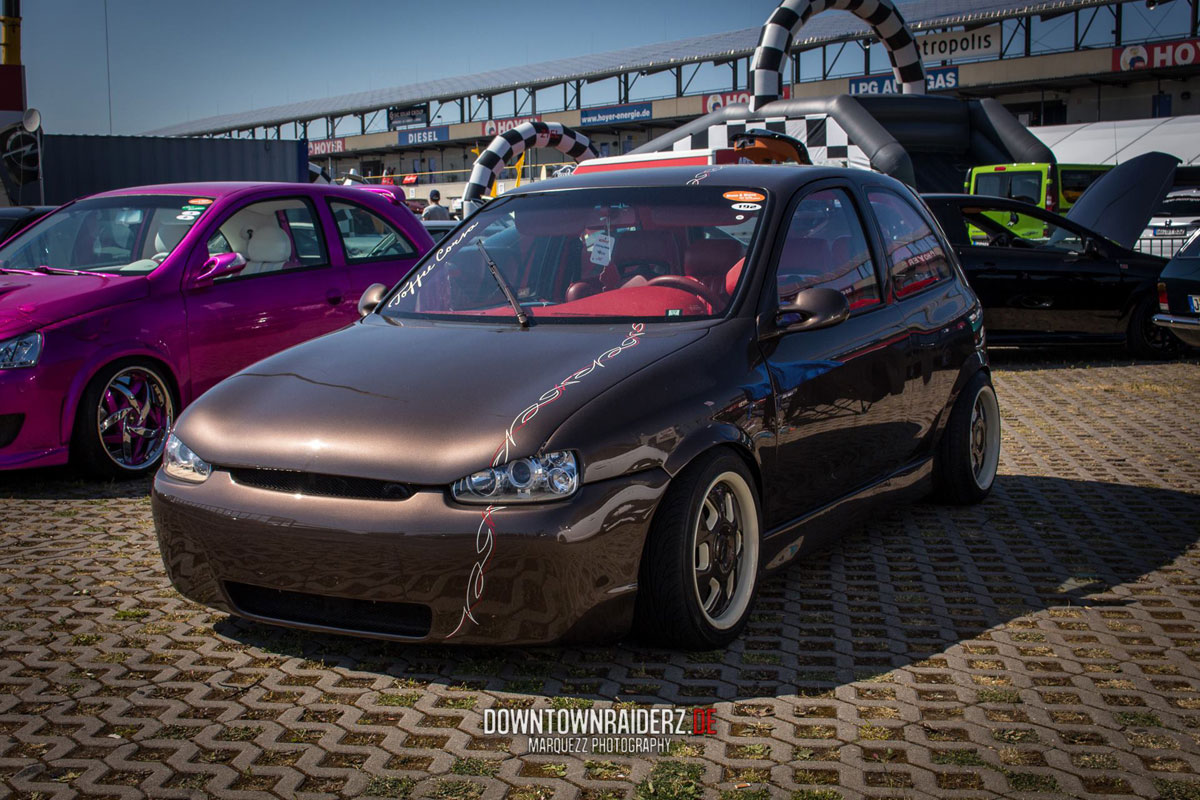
[725,551]
[985,437]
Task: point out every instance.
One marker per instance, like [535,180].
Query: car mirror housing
[811,309]
[220,266]
[370,299]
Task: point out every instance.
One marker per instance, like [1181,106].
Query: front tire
[700,568]
[123,420]
[969,452]
[1148,341]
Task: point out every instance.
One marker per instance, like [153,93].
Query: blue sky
[173,61]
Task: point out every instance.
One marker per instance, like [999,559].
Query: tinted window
[915,255]
[995,228]
[825,246]
[1019,185]
[272,236]
[1074,181]
[1191,249]
[366,236]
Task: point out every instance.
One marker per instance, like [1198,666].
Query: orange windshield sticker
[740,196]
[200,201]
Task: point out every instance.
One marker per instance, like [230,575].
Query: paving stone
[1043,644]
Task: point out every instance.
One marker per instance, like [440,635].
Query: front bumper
[1186,328]
[37,395]
[421,569]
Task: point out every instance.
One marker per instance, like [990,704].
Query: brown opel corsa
[604,401]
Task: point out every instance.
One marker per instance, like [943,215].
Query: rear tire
[1148,341]
[969,453]
[700,568]
[123,419]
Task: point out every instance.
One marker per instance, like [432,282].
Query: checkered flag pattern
[766,81]
[509,145]
[826,141]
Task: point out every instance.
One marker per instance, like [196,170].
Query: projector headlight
[21,351]
[537,479]
[182,464]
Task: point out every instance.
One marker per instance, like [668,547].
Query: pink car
[119,309]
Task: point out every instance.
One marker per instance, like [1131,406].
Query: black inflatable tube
[998,124]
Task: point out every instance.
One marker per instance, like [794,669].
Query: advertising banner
[960,44]
[495,127]
[438,133]
[1158,55]
[325,147]
[608,115]
[411,115]
[936,79]
[714,101]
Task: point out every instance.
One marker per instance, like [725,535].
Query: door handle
[334,296]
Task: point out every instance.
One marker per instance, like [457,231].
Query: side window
[366,236]
[915,255]
[273,236]
[825,246]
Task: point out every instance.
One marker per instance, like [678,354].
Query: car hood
[31,301]
[1120,203]
[423,403]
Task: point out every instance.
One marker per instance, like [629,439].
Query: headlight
[21,351]
[182,464]
[537,479]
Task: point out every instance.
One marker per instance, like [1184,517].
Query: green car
[1054,187]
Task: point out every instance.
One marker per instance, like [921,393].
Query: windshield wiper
[42,268]
[503,284]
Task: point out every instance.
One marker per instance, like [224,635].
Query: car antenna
[522,317]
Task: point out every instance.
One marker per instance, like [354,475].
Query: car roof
[783,178]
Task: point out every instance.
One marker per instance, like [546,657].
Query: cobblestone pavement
[1043,644]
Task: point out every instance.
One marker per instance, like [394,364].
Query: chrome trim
[1173,321]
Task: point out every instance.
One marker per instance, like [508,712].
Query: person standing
[435,210]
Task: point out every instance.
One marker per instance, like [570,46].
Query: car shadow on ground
[67,483]
[1074,357]
[898,593]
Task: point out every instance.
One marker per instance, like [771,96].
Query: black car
[604,398]
[1080,280]
[16,218]
[1179,294]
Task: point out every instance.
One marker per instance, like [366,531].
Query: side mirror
[813,308]
[370,298]
[219,266]
[1093,248]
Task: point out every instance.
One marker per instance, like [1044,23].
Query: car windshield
[128,234]
[662,253]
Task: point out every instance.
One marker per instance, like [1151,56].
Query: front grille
[10,426]
[278,480]
[367,616]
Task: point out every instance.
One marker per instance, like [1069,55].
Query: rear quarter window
[916,258]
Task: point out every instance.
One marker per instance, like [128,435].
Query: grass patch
[672,780]
[1031,782]
[999,696]
[485,767]
[1138,719]
[1177,790]
[457,790]
[381,786]
[404,700]
[959,758]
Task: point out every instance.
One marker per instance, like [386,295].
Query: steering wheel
[692,285]
[382,244]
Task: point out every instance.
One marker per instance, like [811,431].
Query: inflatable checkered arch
[510,144]
[827,142]
[786,21]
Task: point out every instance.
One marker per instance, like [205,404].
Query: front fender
[155,342]
[714,391]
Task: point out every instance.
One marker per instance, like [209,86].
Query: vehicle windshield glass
[995,228]
[663,253]
[128,235]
